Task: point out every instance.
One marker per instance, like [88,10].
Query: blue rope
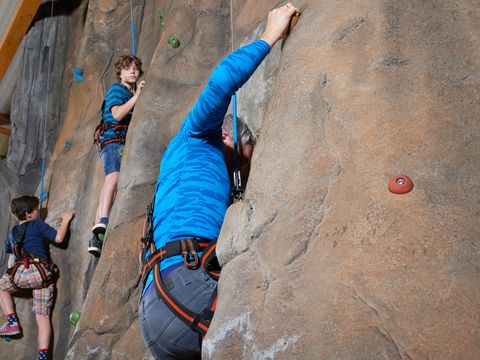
[235,132]
[44,195]
[134,51]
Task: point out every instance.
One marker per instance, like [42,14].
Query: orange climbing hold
[400,184]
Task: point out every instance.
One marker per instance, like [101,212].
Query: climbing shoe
[95,246]
[99,229]
[8,329]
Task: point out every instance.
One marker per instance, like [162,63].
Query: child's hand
[67,216]
[140,86]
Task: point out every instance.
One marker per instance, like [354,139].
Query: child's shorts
[111,156]
[28,279]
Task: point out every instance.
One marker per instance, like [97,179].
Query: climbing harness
[237,190]
[45,266]
[189,249]
[43,194]
[120,132]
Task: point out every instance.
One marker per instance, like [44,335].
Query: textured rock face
[42,57]
[320,260]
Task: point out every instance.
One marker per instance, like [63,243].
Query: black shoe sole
[95,251]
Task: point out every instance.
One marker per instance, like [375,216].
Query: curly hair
[125,61]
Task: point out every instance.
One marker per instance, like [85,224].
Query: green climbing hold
[74,316]
[120,151]
[173,42]
[101,237]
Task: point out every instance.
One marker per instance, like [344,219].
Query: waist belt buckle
[190,259]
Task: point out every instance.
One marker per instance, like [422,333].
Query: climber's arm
[208,112]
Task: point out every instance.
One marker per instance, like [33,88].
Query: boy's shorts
[111,156]
[28,279]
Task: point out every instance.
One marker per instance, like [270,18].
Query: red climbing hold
[400,184]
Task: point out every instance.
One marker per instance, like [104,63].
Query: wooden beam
[5,131]
[4,119]
[19,25]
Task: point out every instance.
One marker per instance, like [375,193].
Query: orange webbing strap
[199,322]
[208,256]
[188,248]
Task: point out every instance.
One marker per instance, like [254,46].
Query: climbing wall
[321,261]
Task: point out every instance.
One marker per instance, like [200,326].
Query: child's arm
[62,230]
[9,243]
[120,111]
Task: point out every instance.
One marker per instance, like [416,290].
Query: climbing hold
[120,151]
[74,316]
[101,237]
[173,42]
[293,22]
[67,144]
[43,195]
[400,184]
[161,15]
[78,75]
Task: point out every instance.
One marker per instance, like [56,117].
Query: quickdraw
[189,249]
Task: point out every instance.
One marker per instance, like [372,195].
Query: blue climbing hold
[67,144]
[78,75]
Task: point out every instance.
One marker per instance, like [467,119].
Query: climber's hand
[67,216]
[278,22]
[140,85]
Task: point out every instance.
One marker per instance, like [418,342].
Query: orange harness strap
[189,249]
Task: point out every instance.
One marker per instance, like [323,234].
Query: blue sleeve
[208,112]
[114,97]
[47,231]
[9,243]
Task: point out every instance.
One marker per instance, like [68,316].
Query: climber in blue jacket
[192,194]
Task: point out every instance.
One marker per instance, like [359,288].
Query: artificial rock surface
[320,260]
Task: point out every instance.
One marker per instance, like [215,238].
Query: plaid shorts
[28,279]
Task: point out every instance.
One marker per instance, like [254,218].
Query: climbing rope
[237,181]
[43,194]
[134,51]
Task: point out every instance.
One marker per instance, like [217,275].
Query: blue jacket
[193,189]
